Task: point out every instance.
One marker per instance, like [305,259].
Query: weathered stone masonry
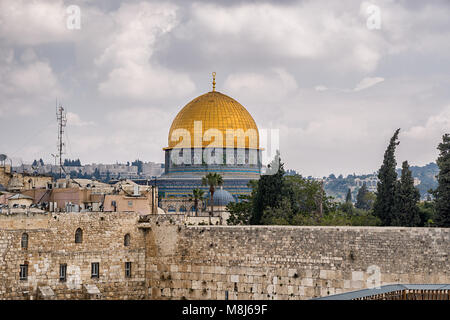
[279,262]
[174,261]
[52,242]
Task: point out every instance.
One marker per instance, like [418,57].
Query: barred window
[128,269]
[63,272]
[95,270]
[24,241]
[23,271]
[126,240]
[79,236]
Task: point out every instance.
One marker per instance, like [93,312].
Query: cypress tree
[384,204]
[269,191]
[442,193]
[406,211]
[361,201]
[348,198]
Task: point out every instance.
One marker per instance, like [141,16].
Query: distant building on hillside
[371,182]
[104,171]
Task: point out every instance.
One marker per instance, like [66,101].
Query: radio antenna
[62,120]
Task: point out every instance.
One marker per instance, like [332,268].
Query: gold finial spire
[214,81]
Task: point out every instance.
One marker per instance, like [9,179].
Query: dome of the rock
[213,110]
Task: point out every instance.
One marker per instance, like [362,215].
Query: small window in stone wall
[79,236]
[63,272]
[24,241]
[126,240]
[130,203]
[95,268]
[24,271]
[127,269]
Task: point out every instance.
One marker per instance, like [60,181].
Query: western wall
[171,260]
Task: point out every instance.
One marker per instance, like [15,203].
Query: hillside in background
[337,187]
[427,176]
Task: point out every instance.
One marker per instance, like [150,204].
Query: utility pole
[62,120]
[321,199]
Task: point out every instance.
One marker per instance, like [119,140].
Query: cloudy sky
[322,72]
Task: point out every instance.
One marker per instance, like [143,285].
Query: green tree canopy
[348,197]
[269,187]
[212,180]
[442,193]
[406,211]
[385,201]
[241,211]
[362,201]
[197,194]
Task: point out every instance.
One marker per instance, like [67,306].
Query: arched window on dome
[24,241]
[79,236]
[126,240]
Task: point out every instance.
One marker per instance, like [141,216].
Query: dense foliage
[37,163]
[72,163]
[197,194]
[293,200]
[337,187]
[442,193]
[290,199]
[212,180]
[385,201]
[406,211]
[364,198]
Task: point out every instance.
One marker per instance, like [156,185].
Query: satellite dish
[3,157]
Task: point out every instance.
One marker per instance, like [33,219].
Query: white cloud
[307,30]
[74,119]
[132,73]
[288,63]
[139,132]
[26,84]
[432,129]
[418,143]
[320,88]
[33,22]
[274,85]
[367,83]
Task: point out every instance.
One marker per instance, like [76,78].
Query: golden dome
[213,110]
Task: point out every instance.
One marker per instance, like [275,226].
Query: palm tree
[197,194]
[212,180]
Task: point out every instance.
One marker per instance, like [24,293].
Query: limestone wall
[173,261]
[52,242]
[279,262]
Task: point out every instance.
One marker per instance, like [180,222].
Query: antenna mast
[62,120]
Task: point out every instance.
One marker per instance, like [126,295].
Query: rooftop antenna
[214,81]
[62,120]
